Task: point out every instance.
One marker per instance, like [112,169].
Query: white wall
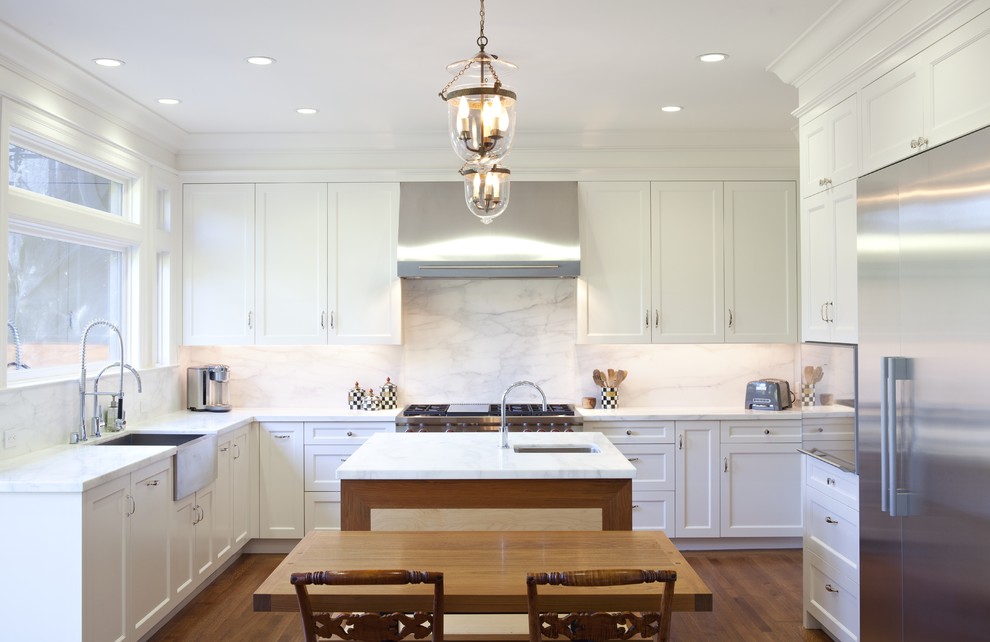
[466,340]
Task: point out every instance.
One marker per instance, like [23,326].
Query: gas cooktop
[477,417]
[486,410]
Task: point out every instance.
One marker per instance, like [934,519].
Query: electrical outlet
[10,438]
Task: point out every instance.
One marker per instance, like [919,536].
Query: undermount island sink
[195,460]
[556,448]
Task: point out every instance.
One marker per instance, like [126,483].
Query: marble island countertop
[478,456]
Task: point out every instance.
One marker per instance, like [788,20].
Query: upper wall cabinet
[320,266]
[687,262]
[932,98]
[830,148]
[218,264]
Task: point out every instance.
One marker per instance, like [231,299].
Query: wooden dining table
[484,571]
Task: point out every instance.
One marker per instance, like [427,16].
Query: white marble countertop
[478,456]
[708,413]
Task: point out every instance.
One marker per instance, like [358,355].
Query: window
[35,172]
[56,288]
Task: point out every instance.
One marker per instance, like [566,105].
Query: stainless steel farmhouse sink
[194,463]
[556,448]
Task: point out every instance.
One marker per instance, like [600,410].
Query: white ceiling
[584,65]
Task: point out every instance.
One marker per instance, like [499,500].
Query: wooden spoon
[620,376]
[809,374]
[818,374]
[610,380]
[596,376]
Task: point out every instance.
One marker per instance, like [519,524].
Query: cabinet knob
[918,142]
[350,433]
[629,432]
[766,431]
[820,429]
[224,449]
[824,182]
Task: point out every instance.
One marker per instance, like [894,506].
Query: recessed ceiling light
[670,108]
[307,111]
[108,62]
[261,60]
[713,57]
[169,101]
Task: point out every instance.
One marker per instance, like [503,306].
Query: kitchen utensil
[588,402]
[620,376]
[818,374]
[610,380]
[809,374]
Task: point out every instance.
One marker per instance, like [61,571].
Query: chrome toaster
[768,394]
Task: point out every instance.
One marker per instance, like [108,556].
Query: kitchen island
[465,481]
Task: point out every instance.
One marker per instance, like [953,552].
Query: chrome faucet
[97,419]
[504,426]
[119,422]
[17,362]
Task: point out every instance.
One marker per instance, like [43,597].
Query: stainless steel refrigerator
[924,395]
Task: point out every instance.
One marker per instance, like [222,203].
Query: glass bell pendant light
[481,110]
[486,190]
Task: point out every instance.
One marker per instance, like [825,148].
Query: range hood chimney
[536,237]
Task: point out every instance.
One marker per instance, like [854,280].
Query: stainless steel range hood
[537,236]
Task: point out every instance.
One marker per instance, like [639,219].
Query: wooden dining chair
[598,626]
[370,627]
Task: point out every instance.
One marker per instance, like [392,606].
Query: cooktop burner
[488,410]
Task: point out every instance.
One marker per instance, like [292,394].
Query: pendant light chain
[482,41]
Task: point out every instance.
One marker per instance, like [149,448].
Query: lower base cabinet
[192,551]
[831,550]
[653,510]
[322,511]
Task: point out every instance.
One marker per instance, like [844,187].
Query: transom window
[41,174]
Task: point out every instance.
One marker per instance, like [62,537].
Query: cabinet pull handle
[249,322]
[631,459]
[237,451]
[829,520]
[280,436]
[656,318]
[635,506]
[131,505]
[725,464]
[331,319]
[343,459]
[823,313]
[647,317]
[153,482]
[224,449]
[730,317]
[680,442]
[831,312]
[829,481]
[821,182]
[323,319]
[831,589]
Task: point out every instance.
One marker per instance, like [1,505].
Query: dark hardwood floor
[757,597]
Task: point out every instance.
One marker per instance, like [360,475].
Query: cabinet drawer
[337,432]
[761,431]
[834,483]
[322,511]
[321,463]
[653,510]
[618,432]
[832,532]
[832,600]
[654,465]
[828,429]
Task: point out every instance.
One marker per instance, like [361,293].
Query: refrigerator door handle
[884,429]
[894,370]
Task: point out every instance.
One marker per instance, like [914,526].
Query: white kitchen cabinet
[829,266]
[830,148]
[720,266]
[696,504]
[649,446]
[125,589]
[244,479]
[301,263]
[328,444]
[761,269]
[192,540]
[231,527]
[291,258]
[688,295]
[614,290]
[760,494]
[929,99]
[831,550]
[218,236]
[281,487]
[365,291]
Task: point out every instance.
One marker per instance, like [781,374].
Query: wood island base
[486,504]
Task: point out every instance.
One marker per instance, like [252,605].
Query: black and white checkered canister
[371,400]
[610,398]
[355,397]
[390,395]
